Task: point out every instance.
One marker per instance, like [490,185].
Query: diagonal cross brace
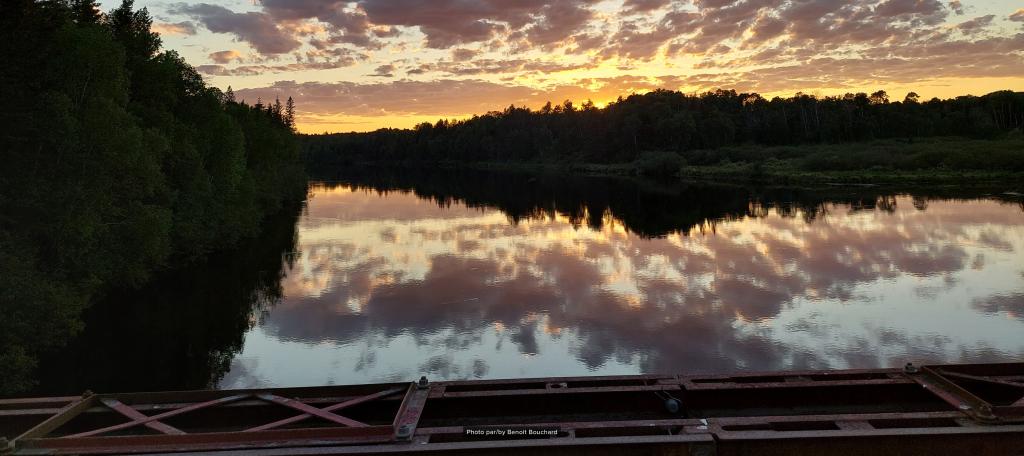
[308,409]
[135,415]
[980,378]
[338,406]
[197,406]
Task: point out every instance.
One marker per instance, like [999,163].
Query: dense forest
[675,128]
[118,161]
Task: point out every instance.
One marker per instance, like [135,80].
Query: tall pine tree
[86,11]
[289,113]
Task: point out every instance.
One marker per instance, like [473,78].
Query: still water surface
[388,285]
[386,278]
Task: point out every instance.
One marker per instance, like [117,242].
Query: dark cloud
[384,71]
[462,54]
[1017,16]
[643,6]
[254,70]
[977,24]
[448,23]
[957,7]
[498,66]
[258,29]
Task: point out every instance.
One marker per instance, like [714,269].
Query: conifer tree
[86,11]
[289,113]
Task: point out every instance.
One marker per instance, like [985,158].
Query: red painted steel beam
[210,441]
[134,415]
[310,410]
[812,414]
[408,416]
[201,405]
[339,406]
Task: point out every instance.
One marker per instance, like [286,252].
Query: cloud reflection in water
[390,286]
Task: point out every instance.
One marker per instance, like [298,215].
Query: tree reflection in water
[457,274]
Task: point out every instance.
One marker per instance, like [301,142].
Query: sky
[369,64]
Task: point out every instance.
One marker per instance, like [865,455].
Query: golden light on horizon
[390,67]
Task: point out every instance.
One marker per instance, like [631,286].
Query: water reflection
[457,276]
[181,331]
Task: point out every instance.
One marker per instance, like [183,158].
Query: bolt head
[404,431]
[673,406]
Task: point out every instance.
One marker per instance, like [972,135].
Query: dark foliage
[194,319]
[693,126]
[117,161]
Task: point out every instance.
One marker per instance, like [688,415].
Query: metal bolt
[423,383]
[910,368]
[672,405]
[404,432]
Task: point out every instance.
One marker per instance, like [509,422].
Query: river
[386,276]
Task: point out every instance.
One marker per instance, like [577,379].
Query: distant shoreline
[861,160]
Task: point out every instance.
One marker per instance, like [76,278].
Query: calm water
[386,278]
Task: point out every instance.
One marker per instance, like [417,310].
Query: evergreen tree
[133,30]
[229,96]
[289,113]
[86,11]
[122,162]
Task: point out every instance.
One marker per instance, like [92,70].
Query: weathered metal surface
[949,409]
[309,410]
[986,393]
[408,415]
[135,415]
[331,408]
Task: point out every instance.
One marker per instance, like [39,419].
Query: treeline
[117,160]
[692,127]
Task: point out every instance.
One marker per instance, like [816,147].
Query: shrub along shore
[945,160]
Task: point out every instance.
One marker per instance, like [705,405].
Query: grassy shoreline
[954,161]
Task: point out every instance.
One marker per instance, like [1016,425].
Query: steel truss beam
[917,410]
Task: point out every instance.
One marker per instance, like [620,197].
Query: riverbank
[945,161]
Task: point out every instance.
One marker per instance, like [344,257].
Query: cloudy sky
[368,64]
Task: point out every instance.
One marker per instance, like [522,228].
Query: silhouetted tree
[694,126]
[289,113]
[86,11]
[118,161]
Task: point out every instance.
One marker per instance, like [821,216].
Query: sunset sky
[358,66]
